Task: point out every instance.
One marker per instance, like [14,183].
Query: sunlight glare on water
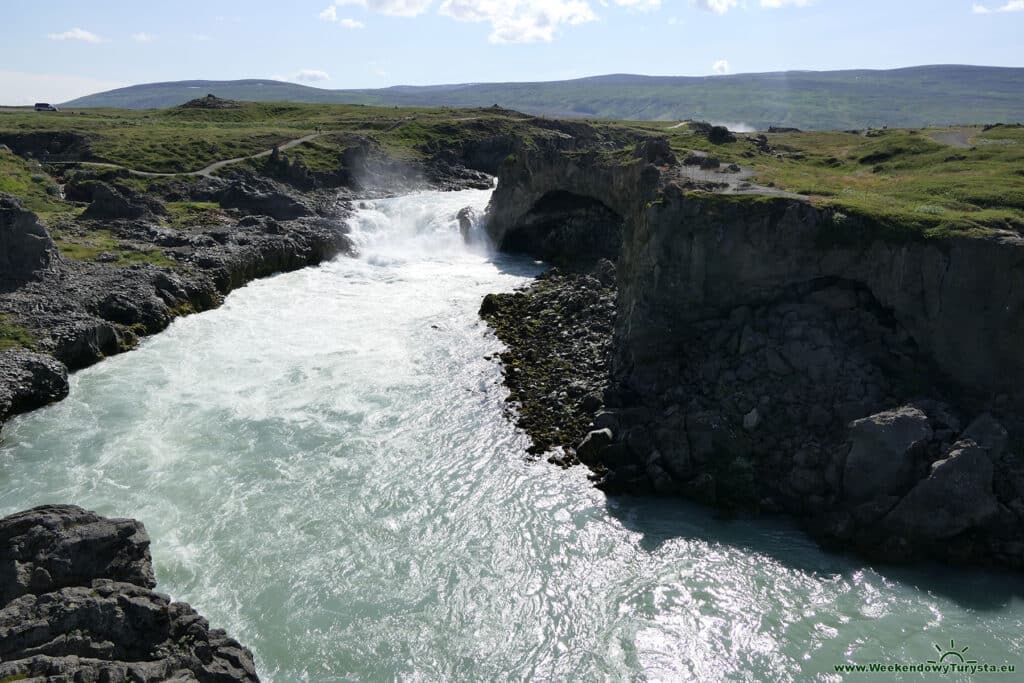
[326,472]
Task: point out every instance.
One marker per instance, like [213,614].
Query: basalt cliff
[766,354]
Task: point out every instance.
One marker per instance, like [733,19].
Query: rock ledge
[76,604]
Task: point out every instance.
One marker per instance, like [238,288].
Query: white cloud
[520,21]
[303,76]
[312,75]
[330,14]
[77,34]
[723,6]
[717,6]
[720,67]
[1011,6]
[642,5]
[352,24]
[397,8]
[20,87]
[143,37]
[200,37]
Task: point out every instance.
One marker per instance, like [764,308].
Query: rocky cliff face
[566,206]
[77,604]
[690,257]
[25,247]
[768,354]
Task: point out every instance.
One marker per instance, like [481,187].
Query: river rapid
[326,472]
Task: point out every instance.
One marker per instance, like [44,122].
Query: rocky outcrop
[261,198]
[77,603]
[566,207]
[47,146]
[558,334]
[29,380]
[771,355]
[25,247]
[109,203]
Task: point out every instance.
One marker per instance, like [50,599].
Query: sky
[55,50]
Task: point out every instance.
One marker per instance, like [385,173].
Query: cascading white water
[325,471]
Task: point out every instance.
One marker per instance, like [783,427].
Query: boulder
[988,434]
[881,457]
[109,203]
[590,449]
[25,246]
[467,217]
[29,380]
[655,151]
[261,200]
[954,498]
[76,603]
[56,546]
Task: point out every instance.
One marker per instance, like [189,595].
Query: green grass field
[904,179]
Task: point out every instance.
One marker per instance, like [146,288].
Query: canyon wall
[768,354]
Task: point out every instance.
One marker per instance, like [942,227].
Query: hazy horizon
[358,44]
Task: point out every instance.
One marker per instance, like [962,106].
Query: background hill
[917,96]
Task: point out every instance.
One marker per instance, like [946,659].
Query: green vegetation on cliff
[183,139]
[923,181]
[14,336]
[911,180]
[28,181]
[104,245]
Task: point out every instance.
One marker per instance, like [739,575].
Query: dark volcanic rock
[768,354]
[558,334]
[25,246]
[76,603]
[262,199]
[28,381]
[49,145]
[108,203]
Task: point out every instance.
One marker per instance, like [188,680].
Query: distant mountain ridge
[908,97]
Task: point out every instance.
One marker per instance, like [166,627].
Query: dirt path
[208,170]
[724,181]
[954,138]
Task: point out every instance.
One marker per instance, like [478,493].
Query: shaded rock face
[109,203]
[25,246]
[565,227]
[261,199]
[881,458]
[49,145]
[76,603]
[956,496]
[687,259]
[546,198]
[770,355]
